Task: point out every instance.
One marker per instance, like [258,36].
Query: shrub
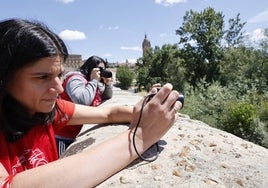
[239,119]
[206,103]
[125,77]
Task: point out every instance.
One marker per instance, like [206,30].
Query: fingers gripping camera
[105,73]
[180,98]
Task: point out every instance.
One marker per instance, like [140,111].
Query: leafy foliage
[238,119]
[207,102]
[200,36]
[234,36]
[224,77]
[160,66]
[125,76]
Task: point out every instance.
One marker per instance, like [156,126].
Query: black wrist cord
[146,100]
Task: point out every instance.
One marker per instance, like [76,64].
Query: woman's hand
[95,74]
[155,88]
[107,81]
[158,115]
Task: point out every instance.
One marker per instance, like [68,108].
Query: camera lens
[105,73]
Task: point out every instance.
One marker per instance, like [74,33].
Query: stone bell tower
[146,44]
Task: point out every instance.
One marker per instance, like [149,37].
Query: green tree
[125,77]
[245,68]
[263,64]
[160,66]
[235,63]
[234,35]
[200,36]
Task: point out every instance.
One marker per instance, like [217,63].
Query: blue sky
[115,29]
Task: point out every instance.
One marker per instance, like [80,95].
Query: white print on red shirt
[29,159]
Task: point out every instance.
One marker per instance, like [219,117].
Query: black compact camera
[105,73]
[180,98]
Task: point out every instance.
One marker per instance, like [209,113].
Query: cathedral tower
[146,44]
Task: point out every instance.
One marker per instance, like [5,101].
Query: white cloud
[261,17]
[257,35]
[113,28]
[163,35]
[66,1]
[169,2]
[109,28]
[134,48]
[72,35]
[132,60]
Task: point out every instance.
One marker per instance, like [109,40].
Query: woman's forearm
[125,114]
[108,92]
[101,114]
[80,170]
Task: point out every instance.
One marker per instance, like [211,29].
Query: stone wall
[192,154]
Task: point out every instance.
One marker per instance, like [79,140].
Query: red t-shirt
[37,147]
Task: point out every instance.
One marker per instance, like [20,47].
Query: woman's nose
[57,86]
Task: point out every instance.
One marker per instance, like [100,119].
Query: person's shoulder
[64,103]
[65,112]
[74,75]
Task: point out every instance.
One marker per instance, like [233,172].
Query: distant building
[146,44]
[73,62]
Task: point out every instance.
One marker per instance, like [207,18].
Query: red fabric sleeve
[64,114]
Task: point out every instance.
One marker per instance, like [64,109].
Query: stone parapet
[192,154]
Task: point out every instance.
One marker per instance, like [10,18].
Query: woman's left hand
[107,81]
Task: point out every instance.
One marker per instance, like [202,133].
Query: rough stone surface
[192,154]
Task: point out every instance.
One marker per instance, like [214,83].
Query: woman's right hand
[95,74]
[158,115]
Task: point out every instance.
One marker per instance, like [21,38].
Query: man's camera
[105,73]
